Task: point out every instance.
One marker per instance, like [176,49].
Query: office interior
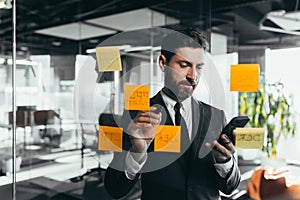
[58,97]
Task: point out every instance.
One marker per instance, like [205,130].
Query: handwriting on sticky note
[108,59]
[252,138]
[137,97]
[110,138]
[167,138]
[244,77]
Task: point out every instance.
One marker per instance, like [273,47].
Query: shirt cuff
[224,169]
[134,163]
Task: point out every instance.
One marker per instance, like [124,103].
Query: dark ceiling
[238,19]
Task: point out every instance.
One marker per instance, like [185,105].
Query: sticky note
[167,138]
[249,138]
[137,97]
[244,77]
[110,138]
[108,59]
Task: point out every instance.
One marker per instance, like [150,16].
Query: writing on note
[137,97]
[244,77]
[110,138]
[167,138]
[108,59]
[251,138]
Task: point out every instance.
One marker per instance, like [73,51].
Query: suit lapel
[158,101]
[204,123]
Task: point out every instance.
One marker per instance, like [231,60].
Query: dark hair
[182,38]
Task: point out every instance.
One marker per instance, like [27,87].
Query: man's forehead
[190,53]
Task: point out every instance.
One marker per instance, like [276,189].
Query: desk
[33,118]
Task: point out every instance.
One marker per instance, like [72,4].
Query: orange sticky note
[110,138]
[108,59]
[244,77]
[137,97]
[167,138]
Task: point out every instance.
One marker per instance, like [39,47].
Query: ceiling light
[56,43]
[22,62]
[5,4]
[2,61]
[23,48]
[75,31]
[20,53]
[2,5]
[287,22]
[125,21]
[93,41]
[8,4]
[123,47]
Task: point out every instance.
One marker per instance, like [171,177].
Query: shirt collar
[186,104]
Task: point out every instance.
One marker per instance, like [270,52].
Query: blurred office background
[62,98]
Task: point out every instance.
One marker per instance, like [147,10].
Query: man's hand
[222,151]
[141,129]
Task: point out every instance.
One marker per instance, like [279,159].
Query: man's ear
[162,62]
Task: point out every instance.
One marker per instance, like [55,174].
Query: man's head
[182,57]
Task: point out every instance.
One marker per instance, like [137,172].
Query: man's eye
[199,67]
[183,64]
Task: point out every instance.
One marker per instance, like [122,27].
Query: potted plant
[270,108]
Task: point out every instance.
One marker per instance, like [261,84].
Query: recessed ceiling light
[23,48]
[2,5]
[56,43]
[20,53]
[2,60]
[75,31]
[93,41]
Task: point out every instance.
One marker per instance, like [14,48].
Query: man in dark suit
[205,165]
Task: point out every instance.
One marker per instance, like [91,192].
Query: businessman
[204,166]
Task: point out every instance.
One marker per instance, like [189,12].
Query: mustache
[189,82]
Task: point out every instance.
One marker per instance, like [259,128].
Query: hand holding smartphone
[239,121]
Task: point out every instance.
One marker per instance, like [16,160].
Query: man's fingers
[150,114]
[143,124]
[153,121]
[221,149]
[226,142]
[148,117]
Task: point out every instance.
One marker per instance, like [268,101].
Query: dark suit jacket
[191,176]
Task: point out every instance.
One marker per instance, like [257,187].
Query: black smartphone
[238,121]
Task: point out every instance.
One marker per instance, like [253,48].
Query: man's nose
[191,73]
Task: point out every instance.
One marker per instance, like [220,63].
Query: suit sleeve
[228,184]
[116,182]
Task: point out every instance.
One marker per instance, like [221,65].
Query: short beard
[183,94]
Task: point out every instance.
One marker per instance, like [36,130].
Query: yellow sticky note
[108,59]
[244,77]
[249,138]
[110,138]
[167,138]
[137,97]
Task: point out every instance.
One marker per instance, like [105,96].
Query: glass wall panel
[62,97]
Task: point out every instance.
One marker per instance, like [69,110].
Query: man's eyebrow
[190,64]
[185,61]
[200,64]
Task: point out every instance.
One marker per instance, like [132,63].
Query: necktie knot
[177,107]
